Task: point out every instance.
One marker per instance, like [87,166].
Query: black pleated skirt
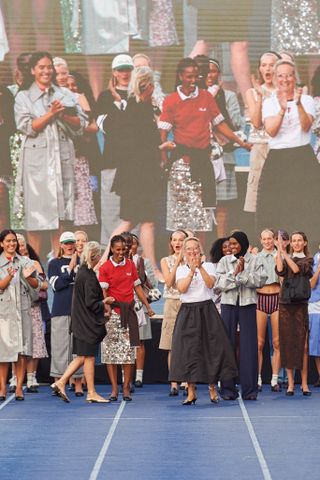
[201,350]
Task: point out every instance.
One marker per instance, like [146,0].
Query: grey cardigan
[241,287]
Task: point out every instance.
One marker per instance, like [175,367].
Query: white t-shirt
[197,291]
[290,134]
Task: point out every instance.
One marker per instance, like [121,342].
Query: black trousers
[248,368]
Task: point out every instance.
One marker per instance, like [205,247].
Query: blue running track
[154,437]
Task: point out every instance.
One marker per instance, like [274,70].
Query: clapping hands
[27,271]
[240,266]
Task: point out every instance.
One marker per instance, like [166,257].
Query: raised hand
[282,99]
[297,95]
[256,85]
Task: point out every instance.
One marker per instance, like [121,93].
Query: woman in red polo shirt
[189,112]
[119,278]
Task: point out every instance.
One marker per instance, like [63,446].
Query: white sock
[122,374]
[274,380]
[29,380]
[259,380]
[13,381]
[35,382]
[139,375]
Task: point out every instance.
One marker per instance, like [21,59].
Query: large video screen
[247,193]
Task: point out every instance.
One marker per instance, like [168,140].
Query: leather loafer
[126,398]
[276,388]
[138,384]
[79,394]
[289,393]
[2,398]
[19,398]
[32,389]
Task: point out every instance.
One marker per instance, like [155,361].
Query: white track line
[7,401]
[97,466]
[263,464]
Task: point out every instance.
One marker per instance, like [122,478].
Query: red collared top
[119,279]
[190,117]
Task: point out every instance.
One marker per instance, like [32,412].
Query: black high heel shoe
[306,393]
[190,402]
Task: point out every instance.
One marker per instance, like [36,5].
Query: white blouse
[290,133]
[197,291]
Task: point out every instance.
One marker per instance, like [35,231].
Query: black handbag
[296,289]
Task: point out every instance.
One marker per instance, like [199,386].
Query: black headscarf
[241,238]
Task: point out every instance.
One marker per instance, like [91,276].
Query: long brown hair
[304,236]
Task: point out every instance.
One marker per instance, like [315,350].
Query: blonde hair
[269,230]
[286,62]
[141,55]
[90,251]
[82,232]
[189,239]
[57,61]
[21,237]
[140,76]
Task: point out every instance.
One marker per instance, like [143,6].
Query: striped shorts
[268,302]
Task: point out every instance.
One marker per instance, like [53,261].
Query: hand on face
[195,261]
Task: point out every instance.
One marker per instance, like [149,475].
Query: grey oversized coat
[15,312]
[46,167]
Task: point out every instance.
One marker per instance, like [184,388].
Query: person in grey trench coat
[18,283]
[49,116]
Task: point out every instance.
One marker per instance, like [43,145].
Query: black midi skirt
[201,350]
[288,193]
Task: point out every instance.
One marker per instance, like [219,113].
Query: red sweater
[190,118]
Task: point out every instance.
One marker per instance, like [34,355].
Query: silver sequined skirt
[115,347]
[184,201]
